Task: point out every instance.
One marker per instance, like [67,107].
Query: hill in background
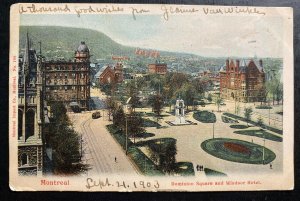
[58,42]
[61,42]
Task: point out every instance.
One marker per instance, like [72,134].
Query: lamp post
[213,130]
[264,151]
[127,109]
[126,140]
[269,115]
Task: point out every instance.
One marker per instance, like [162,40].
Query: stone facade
[31,113]
[69,81]
[242,80]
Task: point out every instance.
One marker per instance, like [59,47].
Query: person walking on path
[115,159]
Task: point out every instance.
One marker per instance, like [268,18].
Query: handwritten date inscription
[93,183]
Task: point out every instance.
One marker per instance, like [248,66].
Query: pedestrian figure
[115,159]
[198,168]
[201,167]
[270,165]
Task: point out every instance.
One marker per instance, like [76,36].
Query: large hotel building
[69,81]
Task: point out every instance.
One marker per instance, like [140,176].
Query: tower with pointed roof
[30,113]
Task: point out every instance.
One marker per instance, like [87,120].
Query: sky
[213,36]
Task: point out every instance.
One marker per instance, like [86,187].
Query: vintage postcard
[126,97]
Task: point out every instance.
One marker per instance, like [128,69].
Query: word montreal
[55,182]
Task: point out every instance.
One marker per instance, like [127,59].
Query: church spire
[26,56]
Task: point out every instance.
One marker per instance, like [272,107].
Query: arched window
[24,159]
[29,124]
[20,123]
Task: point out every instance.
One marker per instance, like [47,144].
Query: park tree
[279,92]
[111,105]
[219,100]
[64,141]
[135,125]
[209,97]
[238,109]
[248,113]
[168,159]
[260,122]
[156,103]
[201,85]
[119,118]
[187,93]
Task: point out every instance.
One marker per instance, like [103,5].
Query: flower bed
[238,151]
[236,147]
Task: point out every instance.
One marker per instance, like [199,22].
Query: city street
[99,148]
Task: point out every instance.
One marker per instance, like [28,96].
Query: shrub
[263,107]
[205,116]
[150,123]
[210,172]
[238,126]
[188,169]
[144,164]
[228,120]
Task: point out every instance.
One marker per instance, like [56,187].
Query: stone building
[109,74]
[242,80]
[32,113]
[69,81]
[157,68]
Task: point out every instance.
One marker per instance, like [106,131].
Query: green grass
[144,135]
[205,117]
[263,107]
[228,120]
[150,123]
[144,164]
[210,172]
[275,130]
[238,126]
[155,143]
[260,134]
[253,155]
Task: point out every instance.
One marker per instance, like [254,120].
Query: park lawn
[260,133]
[205,116]
[209,172]
[150,123]
[238,126]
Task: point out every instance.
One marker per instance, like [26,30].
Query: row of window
[66,81]
[58,67]
[65,75]
[81,88]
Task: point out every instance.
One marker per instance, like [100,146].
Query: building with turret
[69,81]
[242,80]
